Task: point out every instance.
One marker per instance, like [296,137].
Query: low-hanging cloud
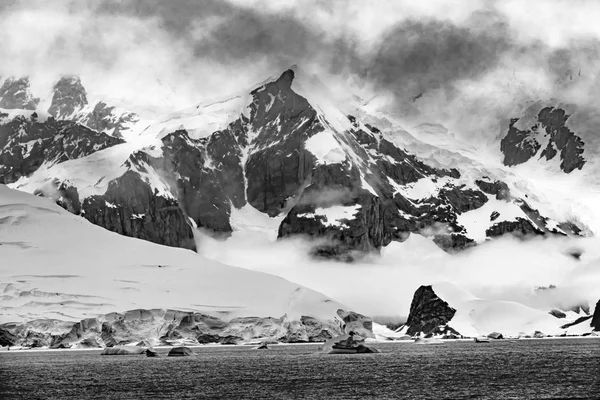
[159,56]
[383,285]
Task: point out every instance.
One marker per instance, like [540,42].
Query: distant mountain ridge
[285,150]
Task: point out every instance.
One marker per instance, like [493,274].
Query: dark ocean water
[525,369]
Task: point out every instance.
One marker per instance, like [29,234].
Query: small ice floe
[431,340]
[347,344]
[180,352]
[122,350]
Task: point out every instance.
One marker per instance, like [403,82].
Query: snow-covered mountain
[345,174]
[350,175]
[64,280]
[69,102]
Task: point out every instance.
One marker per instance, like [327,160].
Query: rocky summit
[342,180]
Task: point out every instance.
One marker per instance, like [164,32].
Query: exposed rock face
[209,176]
[16,94]
[279,166]
[130,207]
[557,313]
[428,313]
[26,144]
[519,146]
[69,97]
[108,119]
[7,338]
[265,159]
[595,323]
[69,102]
[332,178]
[521,227]
[496,188]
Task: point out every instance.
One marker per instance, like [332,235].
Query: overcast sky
[158,55]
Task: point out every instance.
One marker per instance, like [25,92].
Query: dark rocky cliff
[428,313]
[520,146]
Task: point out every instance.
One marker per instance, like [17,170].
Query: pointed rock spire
[68,98]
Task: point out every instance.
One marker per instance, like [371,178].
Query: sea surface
[520,369]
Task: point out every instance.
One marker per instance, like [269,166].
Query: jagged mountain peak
[292,150]
[69,97]
[15,93]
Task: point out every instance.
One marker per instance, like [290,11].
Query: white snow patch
[366,185]
[325,148]
[334,215]
[78,270]
[476,222]
[249,220]
[475,317]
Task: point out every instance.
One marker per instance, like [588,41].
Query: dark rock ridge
[595,323]
[520,146]
[69,101]
[16,94]
[108,119]
[355,204]
[169,327]
[429,315]
[69,96]
[263,159]
[130,207]
[26,144]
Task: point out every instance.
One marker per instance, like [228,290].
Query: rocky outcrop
[108,119]
[429,315]
[557,313]
[7,338]
[26,144]
[69,102]
[68,98]
[496,188]
[334,179]
[209,176]
[595,323]
[15,93]
[519,146]
[521,227]
[130,207]
[264,159]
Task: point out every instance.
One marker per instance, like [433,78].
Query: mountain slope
[288,150]
[56,266]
